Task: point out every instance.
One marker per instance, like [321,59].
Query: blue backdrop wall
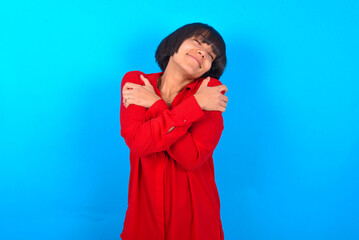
[287,163]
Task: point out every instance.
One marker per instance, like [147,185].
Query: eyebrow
[203,41]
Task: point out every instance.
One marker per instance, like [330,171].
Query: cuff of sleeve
[156,108]
[188,111]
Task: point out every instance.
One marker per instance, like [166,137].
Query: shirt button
[185,120]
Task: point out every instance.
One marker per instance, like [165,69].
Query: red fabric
[172,192]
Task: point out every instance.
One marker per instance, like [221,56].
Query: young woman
[172,121]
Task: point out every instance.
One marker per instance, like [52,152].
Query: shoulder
[214,82]
[132,76]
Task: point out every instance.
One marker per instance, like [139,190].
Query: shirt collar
[153,78]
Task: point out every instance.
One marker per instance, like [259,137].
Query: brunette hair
[172,42]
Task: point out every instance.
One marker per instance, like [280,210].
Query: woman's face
[194,57]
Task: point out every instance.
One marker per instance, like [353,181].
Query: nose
[200,53]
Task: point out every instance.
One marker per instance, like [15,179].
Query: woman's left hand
[140,95]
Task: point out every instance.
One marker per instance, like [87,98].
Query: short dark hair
[172,42]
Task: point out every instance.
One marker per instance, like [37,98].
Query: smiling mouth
[196,60]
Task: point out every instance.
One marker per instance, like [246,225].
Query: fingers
[129,89]
[126,95]
[126,91]
[205,82]
[223,104]
[124,101]
[130,85]
[127,102]
[145,80]
[222,88]
[222,109]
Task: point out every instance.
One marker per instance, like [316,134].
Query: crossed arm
[187,132]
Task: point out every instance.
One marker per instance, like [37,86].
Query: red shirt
[172,192]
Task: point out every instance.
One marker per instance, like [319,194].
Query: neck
[172,80]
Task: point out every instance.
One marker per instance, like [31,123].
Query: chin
[194,73]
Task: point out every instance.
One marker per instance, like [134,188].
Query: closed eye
[200,44]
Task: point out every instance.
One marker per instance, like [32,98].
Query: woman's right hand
[211,98]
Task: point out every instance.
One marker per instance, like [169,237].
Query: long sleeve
[145,136]
[200,140]
[197,145]
[166,145]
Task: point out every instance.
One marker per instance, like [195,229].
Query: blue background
[286,165]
